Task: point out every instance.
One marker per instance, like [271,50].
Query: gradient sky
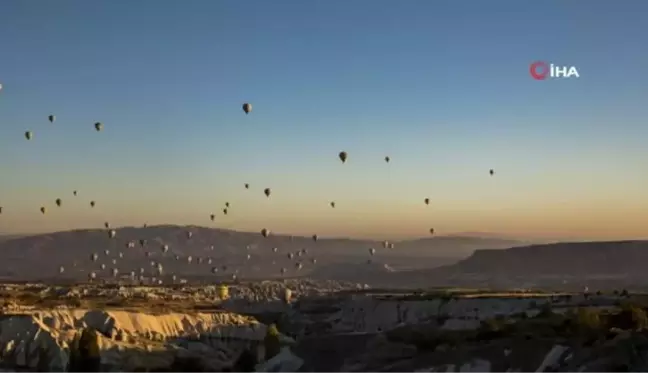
[442,87]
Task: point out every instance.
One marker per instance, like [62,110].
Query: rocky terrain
[325,326]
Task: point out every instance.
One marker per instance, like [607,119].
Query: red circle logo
[539,70]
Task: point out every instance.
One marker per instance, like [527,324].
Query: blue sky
[442,87]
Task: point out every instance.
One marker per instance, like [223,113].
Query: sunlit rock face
[128,340]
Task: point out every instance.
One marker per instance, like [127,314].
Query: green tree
[271,342]
[630,317]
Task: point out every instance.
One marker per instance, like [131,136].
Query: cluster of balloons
[158,269]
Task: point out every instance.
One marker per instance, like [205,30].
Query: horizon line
[477,235]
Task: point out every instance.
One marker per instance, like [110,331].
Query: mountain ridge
[44,253]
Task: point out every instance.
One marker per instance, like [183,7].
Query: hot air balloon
[165,248]
[112,233]
[431,230]
[28,135]
[314,261]
[298,266]
[427,201]
[114,261]
[189,259]
[61,269]
[226,204]
[315,237]
[107,252]
[74,192]
[247,186]
[372,251]
[291,255]
[142,243]
[189,234]
[0,209]
[107,225]
[121,255]
[274,249]
[98,126]
[51,118]
[212,217]
[249,256]
[386,244]
[333,204]
[265,232]
[287,295]
[92,276]
[103,266]
[43,210]
[267,191]
[491,172]
[343,156]
[387,159]
[115,272]
[58,202]
[247,108]
[224,211]
[92,203]
[94,257]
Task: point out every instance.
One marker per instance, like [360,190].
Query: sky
[441,87]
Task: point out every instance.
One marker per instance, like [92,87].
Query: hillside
[39,256]
[613,258]
[565,266]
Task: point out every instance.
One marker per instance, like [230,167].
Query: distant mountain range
[461,260]
[606,258]
[39,256]
[564,265]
